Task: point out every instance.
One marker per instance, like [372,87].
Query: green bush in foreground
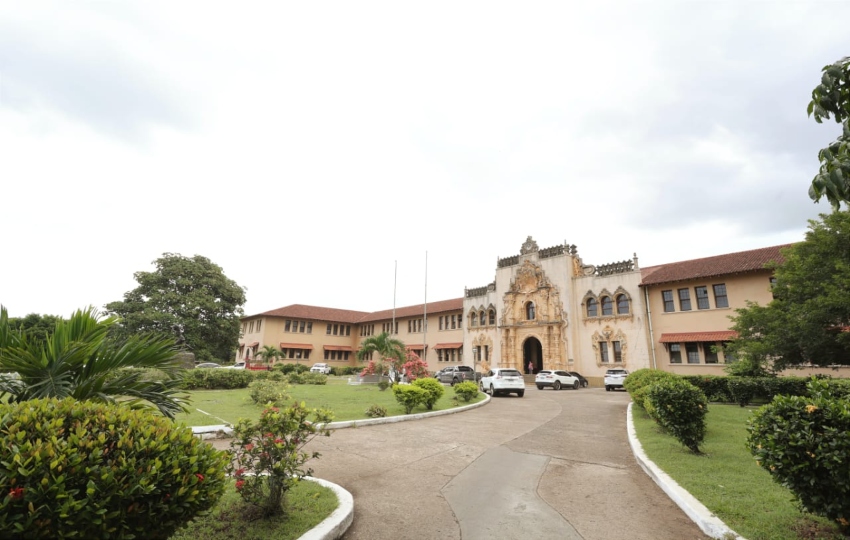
[804,443]
[433,387]
[679,407]
[466,390]
[409,396]
[71,469]
[637,384]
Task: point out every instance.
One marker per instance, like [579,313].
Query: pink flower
[278,440]
[200,477]
[16,493]
[249,447]
[240,472]
[239,484]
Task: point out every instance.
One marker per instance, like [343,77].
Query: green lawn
[348,402]
[307,505]
[727,480]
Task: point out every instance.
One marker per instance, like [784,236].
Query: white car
[502,381]
[321,368]
[614,378]
[237,365]
[556,379]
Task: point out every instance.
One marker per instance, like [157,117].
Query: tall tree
[38,327]
[189,298]
[391,355]
[831,98]
[808,321]
[78,361]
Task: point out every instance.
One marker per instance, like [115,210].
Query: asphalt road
[548,465]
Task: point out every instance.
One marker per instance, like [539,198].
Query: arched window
[491,316]
[529,311]
[592,307]
[473,318]
[482,318]
[622,305]
[607,305]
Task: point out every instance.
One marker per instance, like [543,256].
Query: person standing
[530,368]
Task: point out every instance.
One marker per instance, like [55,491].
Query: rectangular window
[675,353]
[476,354]
[309,327]
[667,296]
[684,299]
[618,351]
[301,329]
[772,286]
[486,353]
[259,324]
[720,298]
[329,330]
[453,321]
[347,329]
[287,325]
[710,350]
[603,351]
[336,329]
[702,297]
[327,354]
[441,322]
[692,350]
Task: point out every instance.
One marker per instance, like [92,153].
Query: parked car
[321,368]
[581,380]
[556,379]
[237,365]
[207,365]
[614,379]
[456,374]
[437,374]
[503,381]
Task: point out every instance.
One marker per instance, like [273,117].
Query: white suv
[503,381]
[321,368]
[614,378]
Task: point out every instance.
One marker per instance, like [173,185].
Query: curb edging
[336,524]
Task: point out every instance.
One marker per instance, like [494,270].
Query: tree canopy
[78,361]
[188,298]
[391,355]
[808,321]
[831,99]
[38,327]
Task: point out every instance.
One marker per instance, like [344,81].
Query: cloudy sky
[305,147]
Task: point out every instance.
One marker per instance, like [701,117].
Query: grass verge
[727,480]
[307,505]
[348,402]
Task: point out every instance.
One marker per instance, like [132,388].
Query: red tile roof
[719,265]
[316,313]
[455,304]
[687,337]
[296,346]
[457,345]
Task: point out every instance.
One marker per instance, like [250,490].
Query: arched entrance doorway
[532,355]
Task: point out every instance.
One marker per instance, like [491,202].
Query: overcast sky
[305,147]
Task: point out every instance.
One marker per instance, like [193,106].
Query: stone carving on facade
[530,246]
[609,335]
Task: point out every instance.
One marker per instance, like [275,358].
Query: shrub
[216,378]
[315,378]
[274,375]
[291,368]
[804,443]
[265,392]
[714,387]
[409,396]
[639,383]
[268,455]
[376,411]
[466,390]
[679,407]
[383,385]
[744,389]
[434,389]
[94,470]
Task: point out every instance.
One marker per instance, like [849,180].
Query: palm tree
[78,361]
[269,352]
[391,354]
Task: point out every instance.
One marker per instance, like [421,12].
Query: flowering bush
[71,469]
[804,443]
[415,368]
[268,455]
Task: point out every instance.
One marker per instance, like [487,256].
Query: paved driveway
[549,465]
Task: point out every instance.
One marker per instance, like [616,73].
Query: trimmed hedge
[745,390]
[638,383]
[72,469]
[804,443]
[467,390]
[679,407]
[216,378]
[434,388]
[409,396]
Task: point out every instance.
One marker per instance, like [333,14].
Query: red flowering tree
[268,456]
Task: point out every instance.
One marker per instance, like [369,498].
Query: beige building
[547,309]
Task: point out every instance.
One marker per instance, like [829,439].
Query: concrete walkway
[549,465]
